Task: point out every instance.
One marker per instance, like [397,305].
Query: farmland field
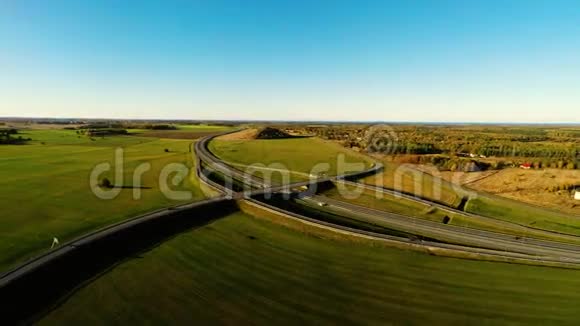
[533,186]
[244,270]
[46,193]
[295,154]
[184,132]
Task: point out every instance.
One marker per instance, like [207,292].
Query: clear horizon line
[297,121]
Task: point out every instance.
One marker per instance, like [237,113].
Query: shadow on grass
[36,292]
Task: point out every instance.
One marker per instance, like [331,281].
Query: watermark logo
[106,190]
[171,176]
[239,180]
[381,139]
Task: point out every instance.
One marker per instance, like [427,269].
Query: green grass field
[521,213]
[46,193]
[295,154]
[242,270]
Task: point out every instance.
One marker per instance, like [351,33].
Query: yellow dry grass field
[530,186]
[246,134]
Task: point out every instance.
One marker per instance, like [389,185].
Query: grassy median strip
[516,212]
[293,154]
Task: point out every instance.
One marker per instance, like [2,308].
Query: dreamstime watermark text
[176,181]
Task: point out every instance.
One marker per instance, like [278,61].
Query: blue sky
[481,61]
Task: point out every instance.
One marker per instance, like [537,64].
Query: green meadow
[295,154]
[243,270]
[45,191]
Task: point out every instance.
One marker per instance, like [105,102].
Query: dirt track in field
[245,134]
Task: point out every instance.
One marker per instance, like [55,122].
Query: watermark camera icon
[381,139]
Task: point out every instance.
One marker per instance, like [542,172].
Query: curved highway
[468,239]
[525,228]
[454,234]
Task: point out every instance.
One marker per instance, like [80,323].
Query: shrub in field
[105,183]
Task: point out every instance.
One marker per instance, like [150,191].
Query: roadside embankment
[38,285]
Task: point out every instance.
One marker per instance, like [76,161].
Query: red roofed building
[526,166]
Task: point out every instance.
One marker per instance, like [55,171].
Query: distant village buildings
[577,194]
[472,155]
